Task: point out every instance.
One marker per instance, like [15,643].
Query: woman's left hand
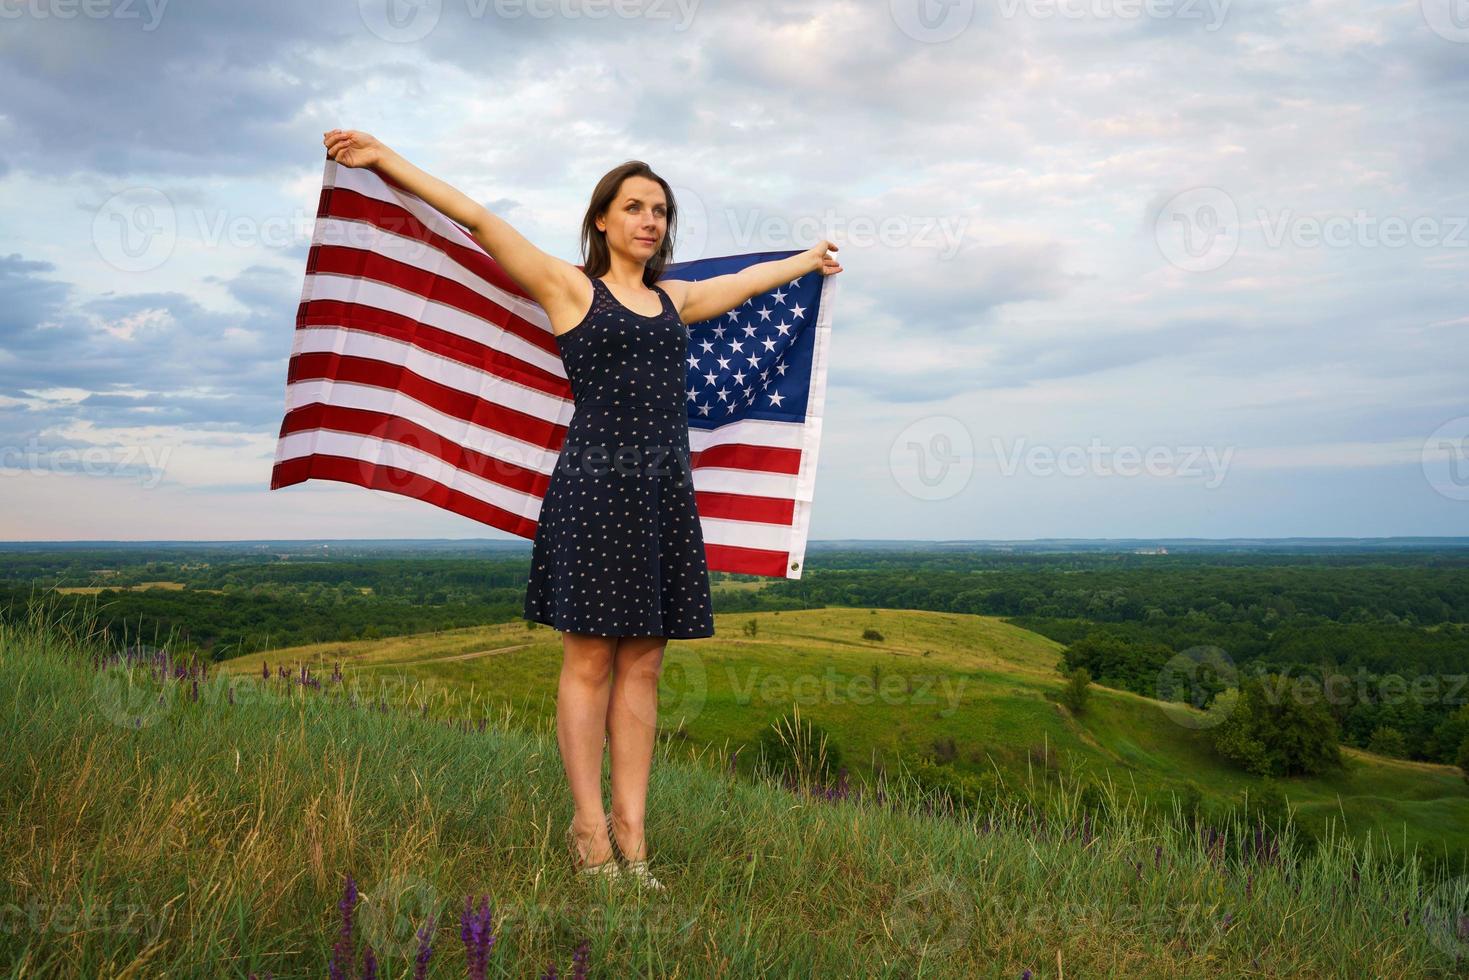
[822,261]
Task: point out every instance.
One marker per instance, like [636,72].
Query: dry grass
[213,840]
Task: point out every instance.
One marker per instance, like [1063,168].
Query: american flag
[419,367]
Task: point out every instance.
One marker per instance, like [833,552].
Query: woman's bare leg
[581,718]
[632,721]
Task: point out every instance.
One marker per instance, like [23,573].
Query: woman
[618,563]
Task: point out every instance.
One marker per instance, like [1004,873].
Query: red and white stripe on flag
[420,368]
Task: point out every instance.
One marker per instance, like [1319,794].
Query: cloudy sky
[1112,267]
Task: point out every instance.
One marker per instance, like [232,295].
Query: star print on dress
[619,549]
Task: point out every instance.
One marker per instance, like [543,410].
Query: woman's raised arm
[718,295]
[548,279]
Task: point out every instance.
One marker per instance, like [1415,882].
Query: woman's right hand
[353,147]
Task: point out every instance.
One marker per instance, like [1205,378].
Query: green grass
[227,829]
[988,685]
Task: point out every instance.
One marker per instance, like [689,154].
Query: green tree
[1388,741]
[1279,727]
[1464,758]
[1444,743]
[1078,688]
[1118,662]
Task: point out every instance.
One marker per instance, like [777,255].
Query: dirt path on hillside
[472,655]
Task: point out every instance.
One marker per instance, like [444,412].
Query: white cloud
[1041,149]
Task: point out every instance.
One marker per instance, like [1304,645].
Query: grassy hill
[190,827]
[987,685]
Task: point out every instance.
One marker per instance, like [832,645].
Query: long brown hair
[597,256]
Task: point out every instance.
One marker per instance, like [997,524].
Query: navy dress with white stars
[619,550]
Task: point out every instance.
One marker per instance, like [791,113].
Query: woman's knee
[588,658]
[641,655]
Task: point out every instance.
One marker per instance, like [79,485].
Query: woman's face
[637,220]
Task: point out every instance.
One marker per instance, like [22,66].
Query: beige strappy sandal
[638,869]
[608,869]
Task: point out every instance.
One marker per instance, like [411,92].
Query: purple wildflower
[550,973]
[369,964]
[476,929]
[342,951]
[579,960]
[425,949]
[1025,974]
